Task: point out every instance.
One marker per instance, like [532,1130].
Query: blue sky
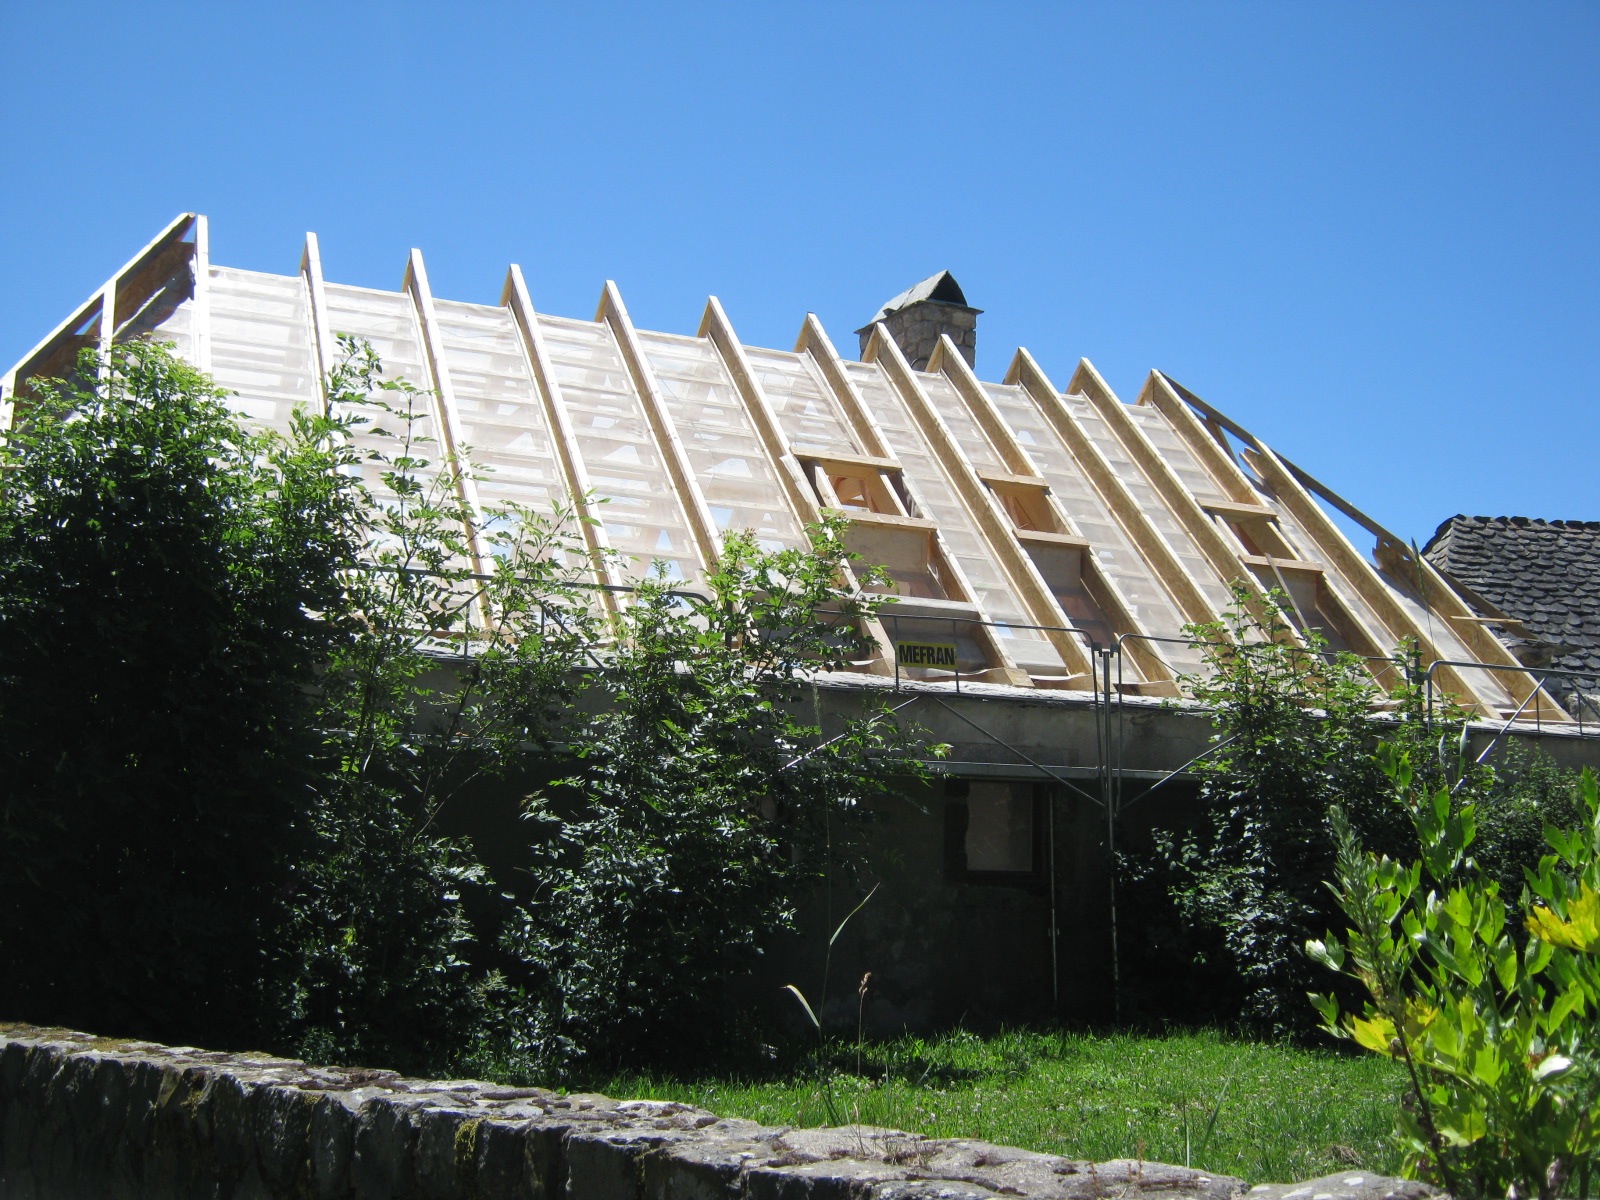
[1369,232]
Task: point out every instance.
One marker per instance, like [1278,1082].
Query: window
[993,831]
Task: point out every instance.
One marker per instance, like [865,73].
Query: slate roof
[941,288]
[1544,573]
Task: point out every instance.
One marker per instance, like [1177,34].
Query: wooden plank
[1102,589]
[317,295]
[1146,538]
[983,507]
[862,516]
[1045,537]
[602,561]
[843,464]
[1271,562]
[1238,511]
[1204,444]
[1006,479]
[702,528]
[448,418]
[1180,502]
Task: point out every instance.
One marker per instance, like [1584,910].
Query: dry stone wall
[82,1116]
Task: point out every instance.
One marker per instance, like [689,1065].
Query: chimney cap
[940,288]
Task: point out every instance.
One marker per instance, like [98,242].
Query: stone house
[1047,545]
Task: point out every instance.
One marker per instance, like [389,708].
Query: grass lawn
[1265,1113]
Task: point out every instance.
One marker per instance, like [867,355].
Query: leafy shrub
[1293,737]
[247,680]
[1498,1034]
[447,679]
[159,568]
[702,798]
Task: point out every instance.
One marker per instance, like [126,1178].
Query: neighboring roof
[1029,528]
[1544,573]
[941,289]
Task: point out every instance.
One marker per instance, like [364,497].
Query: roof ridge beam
[515,297]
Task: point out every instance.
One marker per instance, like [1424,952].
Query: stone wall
[82,1116]
[916,329]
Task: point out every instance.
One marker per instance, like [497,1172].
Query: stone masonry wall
[916,329]
[82,1116]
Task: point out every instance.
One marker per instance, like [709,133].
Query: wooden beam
[983,508]
[1167,567]
[602,560]
[448,418]
[202,294]
[947,358]
[322,340]
[718,330]
[702,528]
[1180,502]
[1214,460]
[948,361]
[814,340]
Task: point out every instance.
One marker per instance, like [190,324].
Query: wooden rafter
[988,519]
[1168,568]
[702,528]
[948,360]
[447,417]
[317,305]
[514,296]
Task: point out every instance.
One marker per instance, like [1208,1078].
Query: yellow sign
[926,654]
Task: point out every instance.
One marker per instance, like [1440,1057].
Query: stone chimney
[917,316]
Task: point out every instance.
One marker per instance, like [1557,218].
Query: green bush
[251,683]
[1497,1032]
[1293,736]
[705,795]
[159,572]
